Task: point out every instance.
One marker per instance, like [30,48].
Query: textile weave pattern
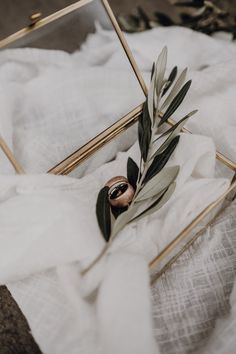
[189,298]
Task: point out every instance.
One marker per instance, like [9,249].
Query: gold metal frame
[184,233]
[71,162]
[42,22]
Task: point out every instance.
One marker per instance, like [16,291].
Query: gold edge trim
[182,250]
[71,162]
[68,164]
[11,158]
[234,178]
[43,22]
[184,233]
[226,161]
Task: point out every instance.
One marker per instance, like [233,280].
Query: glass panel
[16,13]
[62,85]
[107,153]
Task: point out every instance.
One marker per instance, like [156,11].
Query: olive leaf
[176,102]
[161,159]
[151,98]
[116,212]
[160,70]
[132,172]
[158,204]
[156,192]
[177,86]
[153,70]
[144,131]
[170,80]
[174,131]
[103,213]
[124,219]
[158,183]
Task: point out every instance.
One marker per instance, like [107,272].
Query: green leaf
[132,172]
[177,127]
[158,183]
[177,86]
[116,212]
[170,80]
[161,159]
[153,70]
[151,98]
[158,204]
[176,102]
[160,70]
[173,131]
[144,132]
[124,219]
[103,213]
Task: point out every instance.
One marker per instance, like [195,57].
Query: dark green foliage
[161,160]
[176,102]
[203,16]
[103,213]
[153,70]
[170,80]
[144,132]
[132,172]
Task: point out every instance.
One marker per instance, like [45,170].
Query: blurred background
[206,16]
[15,13]
[68,33]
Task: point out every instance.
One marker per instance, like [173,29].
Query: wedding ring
[120,193]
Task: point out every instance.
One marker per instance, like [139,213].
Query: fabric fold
[48,227]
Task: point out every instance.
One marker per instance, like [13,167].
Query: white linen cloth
[55,301]
[118,319]
[53,103]
[190,297]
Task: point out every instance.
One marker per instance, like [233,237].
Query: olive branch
[153,182]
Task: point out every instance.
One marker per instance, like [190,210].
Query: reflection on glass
[62,85]
[107,153]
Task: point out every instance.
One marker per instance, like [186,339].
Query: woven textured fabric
[190,297]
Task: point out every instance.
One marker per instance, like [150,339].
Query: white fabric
[189,298]
[70,233]
[53,103]
[223,339]
[42,272]
[211,65]
[65,205]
